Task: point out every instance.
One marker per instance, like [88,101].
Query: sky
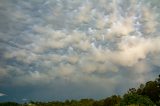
[73,49]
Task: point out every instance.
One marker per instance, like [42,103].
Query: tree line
[147,94]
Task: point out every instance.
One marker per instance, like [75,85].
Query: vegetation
[145,95]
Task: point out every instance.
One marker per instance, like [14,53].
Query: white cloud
[3,73]
[83,13]
[122,27]
[150,19]
[134,49]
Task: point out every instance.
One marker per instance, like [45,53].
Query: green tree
[152,90]
[9,104]
[112,101]
[132,91]
[140,89]
[98,103]
[130,99]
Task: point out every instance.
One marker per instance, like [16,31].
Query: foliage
[112,101]
[9,104]
[136,99]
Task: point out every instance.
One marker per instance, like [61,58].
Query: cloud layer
[78,45]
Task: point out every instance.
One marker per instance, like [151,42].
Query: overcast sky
[72,49]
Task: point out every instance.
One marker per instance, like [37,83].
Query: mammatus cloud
[98,44]
[3,73]
[134,49]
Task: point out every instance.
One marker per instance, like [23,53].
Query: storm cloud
[65,49]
